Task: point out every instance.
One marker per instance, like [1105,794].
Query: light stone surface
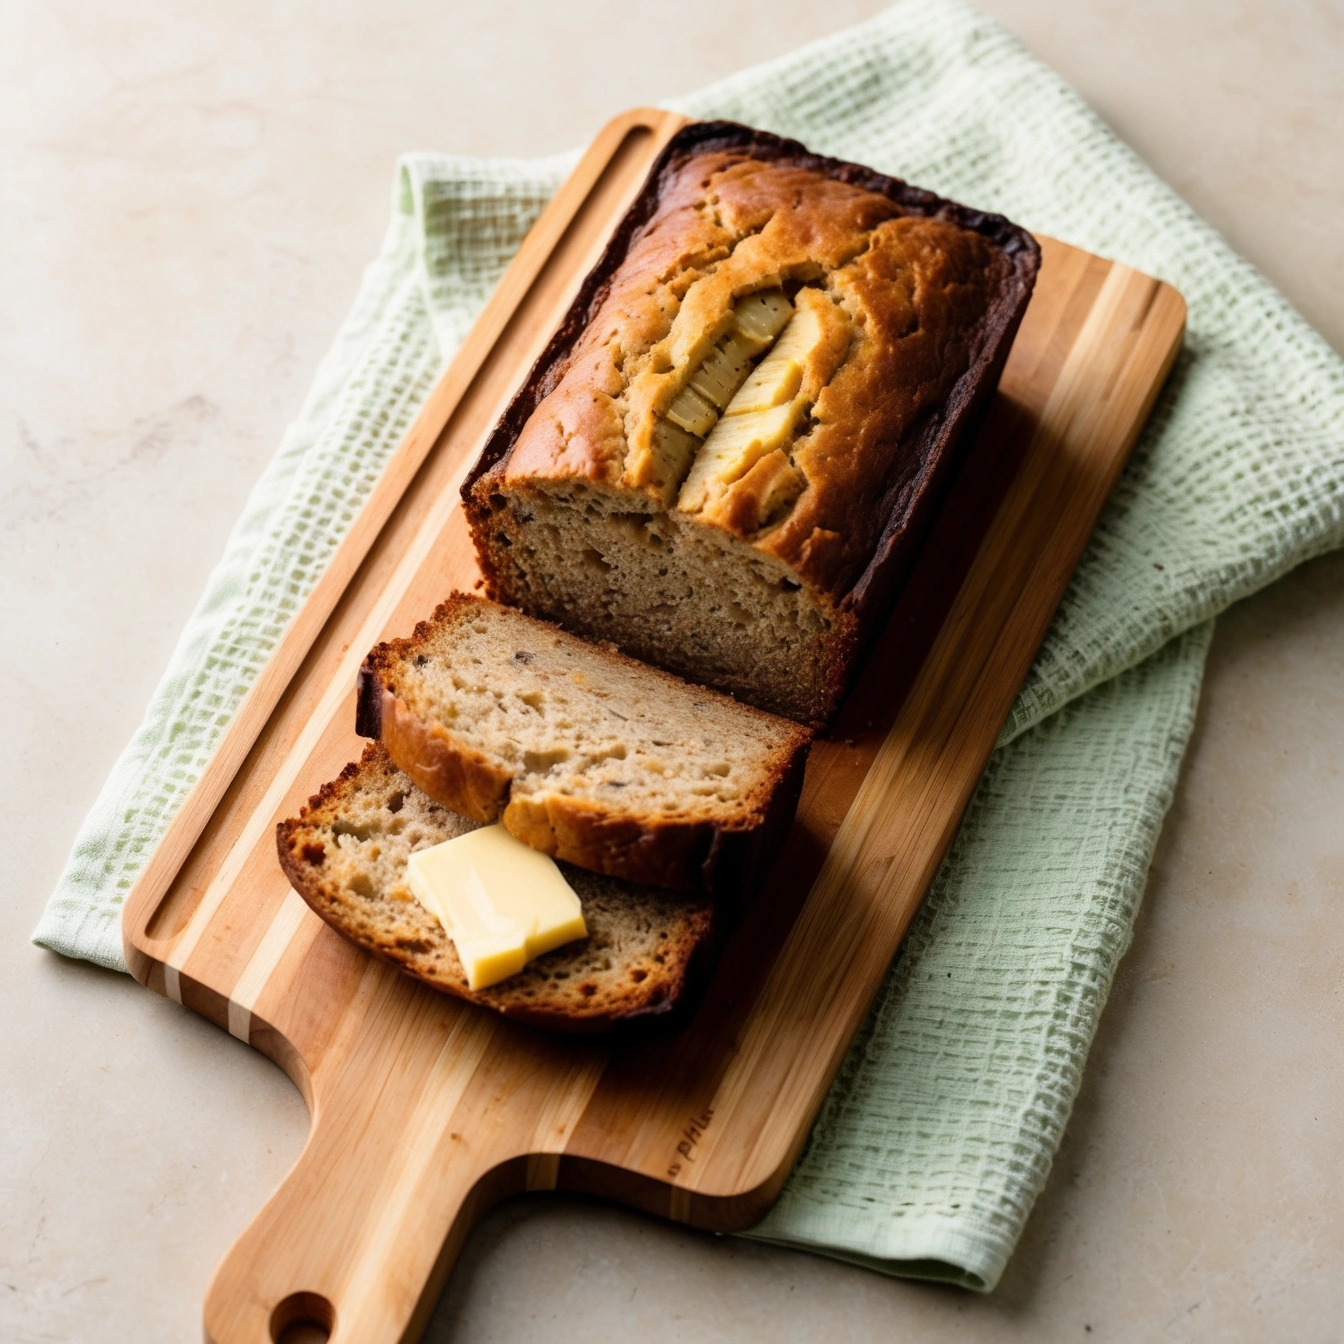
[188,194]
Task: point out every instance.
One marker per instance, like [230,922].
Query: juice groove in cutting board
[426,1110]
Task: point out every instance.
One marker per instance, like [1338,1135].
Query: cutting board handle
[357,1242]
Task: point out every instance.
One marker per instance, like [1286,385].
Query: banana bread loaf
[726,457]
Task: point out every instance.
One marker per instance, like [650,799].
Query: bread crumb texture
[562,717]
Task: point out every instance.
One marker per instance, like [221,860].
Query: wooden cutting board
[425,1111]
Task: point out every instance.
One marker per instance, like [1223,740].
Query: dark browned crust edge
[695,857]
[369,702]
[939,445]
[667,1013]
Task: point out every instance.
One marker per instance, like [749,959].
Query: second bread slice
[583,753]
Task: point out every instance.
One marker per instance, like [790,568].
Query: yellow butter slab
[502,902]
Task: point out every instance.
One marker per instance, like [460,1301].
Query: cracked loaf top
[777,344]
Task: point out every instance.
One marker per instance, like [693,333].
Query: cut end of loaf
[695,600]
[345,854]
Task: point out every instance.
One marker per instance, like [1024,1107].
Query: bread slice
[585,754]
[346,854]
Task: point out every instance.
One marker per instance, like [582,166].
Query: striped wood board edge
[426,1110]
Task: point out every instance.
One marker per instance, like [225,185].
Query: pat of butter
[502,902]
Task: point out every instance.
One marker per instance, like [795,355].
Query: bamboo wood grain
[426,1110]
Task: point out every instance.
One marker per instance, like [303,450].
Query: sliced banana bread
[346,853]
[583,753]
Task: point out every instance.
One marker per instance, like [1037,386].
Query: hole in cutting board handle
[303,1318]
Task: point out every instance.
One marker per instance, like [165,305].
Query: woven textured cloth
[940,1129]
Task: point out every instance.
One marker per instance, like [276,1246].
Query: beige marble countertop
[189,193]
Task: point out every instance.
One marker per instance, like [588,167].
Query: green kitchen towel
[939,1132]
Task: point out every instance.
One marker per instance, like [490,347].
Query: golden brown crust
[906,300]
[652,990]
